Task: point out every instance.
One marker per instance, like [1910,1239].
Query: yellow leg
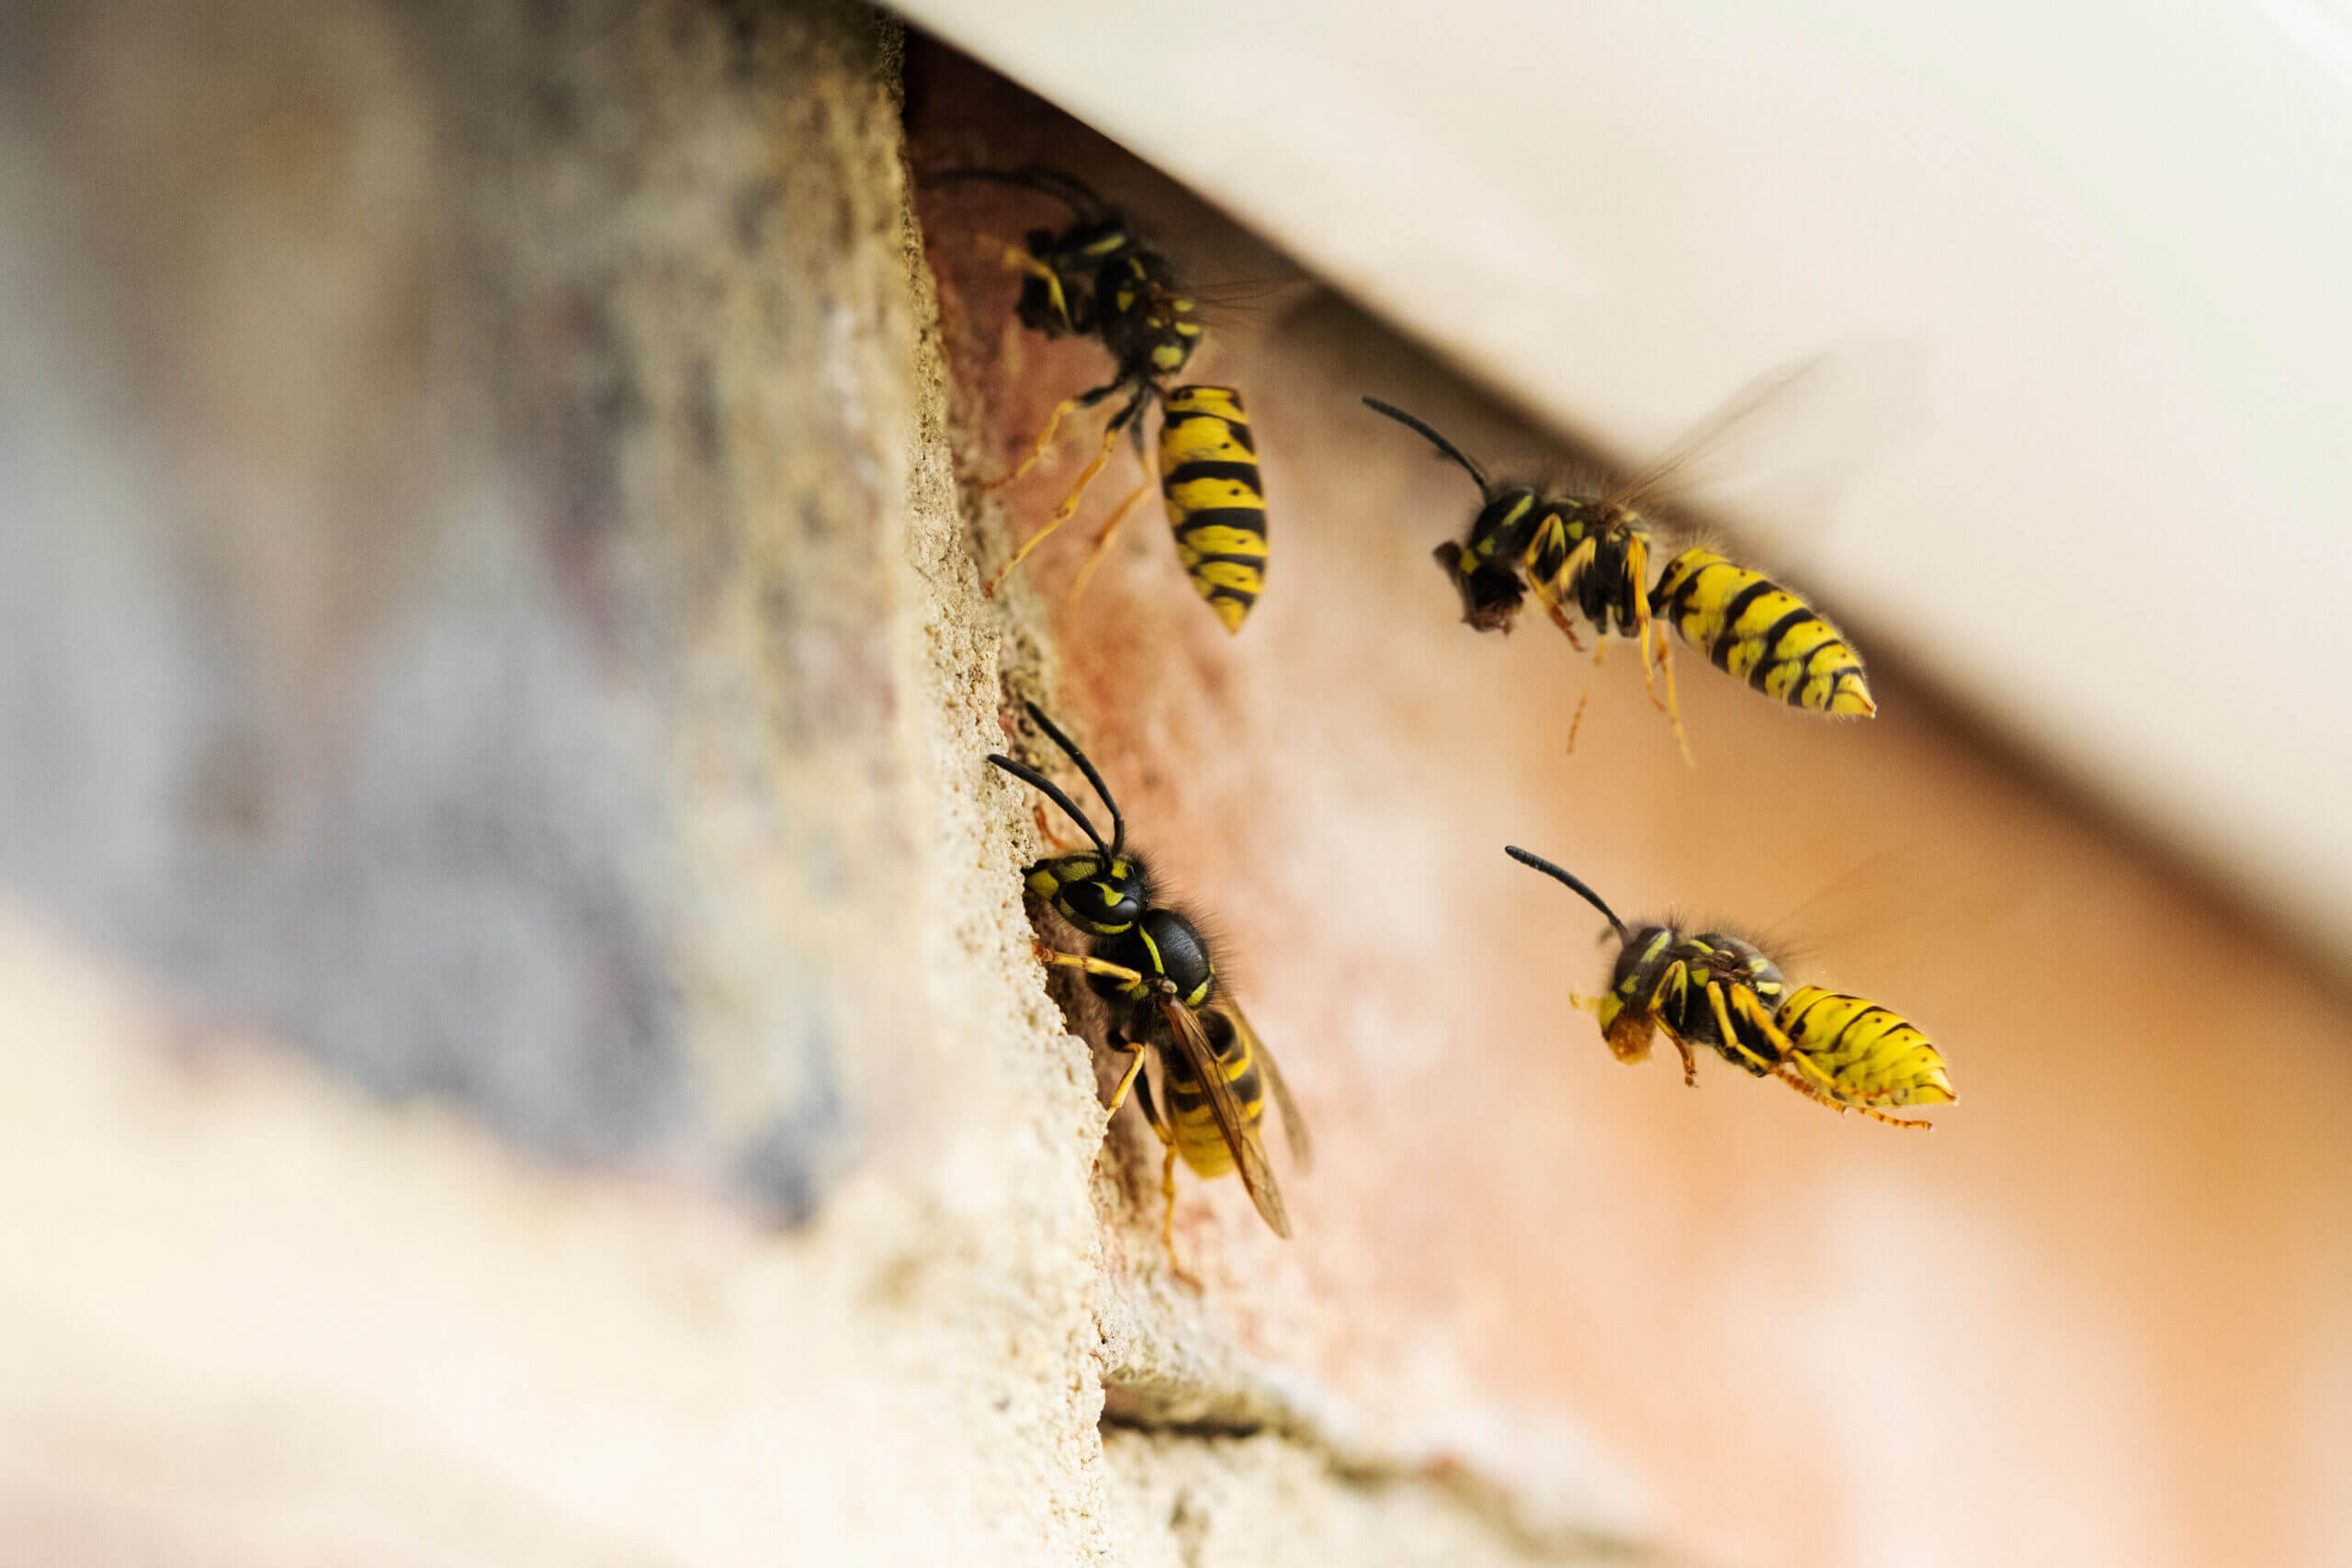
[1046,835]
[1560,619]
[1797,1081]
[1093,965]
[1043,444]
[1677,975]
[1069,504]
[989,588]
[1717,1005]
[1599,652]
[1086,475]
[1673,704]
[1168,1219]
[1553,595]
[1126,1081]
[1102,541]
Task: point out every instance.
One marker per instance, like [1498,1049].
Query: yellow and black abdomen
[1217,503]
[1191,1125]
[1857,1052]
[1750,626]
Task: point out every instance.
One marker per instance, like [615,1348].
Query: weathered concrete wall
[493,672]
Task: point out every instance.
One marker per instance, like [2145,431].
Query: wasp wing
[1249,1151]
[1301,1147]
[1696,442]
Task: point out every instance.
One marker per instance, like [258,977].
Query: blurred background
[520,1035]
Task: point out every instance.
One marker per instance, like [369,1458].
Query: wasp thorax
[1740,962]
[1178,954]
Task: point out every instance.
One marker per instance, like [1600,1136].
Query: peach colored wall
[2099,1314]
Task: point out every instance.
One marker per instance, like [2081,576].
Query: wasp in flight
[1591,555]
[1153,966]
[1707,989]
[1099,279]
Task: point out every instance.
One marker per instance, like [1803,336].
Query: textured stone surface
[493,668]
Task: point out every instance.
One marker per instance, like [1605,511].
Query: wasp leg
[1797,1081]
[1673,704]
[1043,444]
[1127,1078]
[1717,1004]
[1599,652]
[1560,617]
[1168,1220]
[1091,964]
[1676,976]
[1046,833]
[1102,457]
[1552,593]
[1102,541]
[987,588]
[1019,260]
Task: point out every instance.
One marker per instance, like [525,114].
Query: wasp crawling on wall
[1591,554]
[1099,279]
[1707,989]
[1152,965]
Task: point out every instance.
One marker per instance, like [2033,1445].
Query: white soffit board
[2113,242]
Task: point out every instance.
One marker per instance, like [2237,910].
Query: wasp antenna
[1118,823]
[1038,781]
[1440,442]
[1589,896]
[1068,190]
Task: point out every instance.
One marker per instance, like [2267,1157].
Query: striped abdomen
[1191,1127]
[1860,1053]
[1216,504]
[1752,627]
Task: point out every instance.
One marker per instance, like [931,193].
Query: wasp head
[1101,895]
[1490,591]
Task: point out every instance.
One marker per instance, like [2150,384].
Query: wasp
[1709,988]
[1591,555]
[1154,967]
[1099,279]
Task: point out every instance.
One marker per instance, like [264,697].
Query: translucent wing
[1709,433]
[1249,1151]
[1301,1147]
